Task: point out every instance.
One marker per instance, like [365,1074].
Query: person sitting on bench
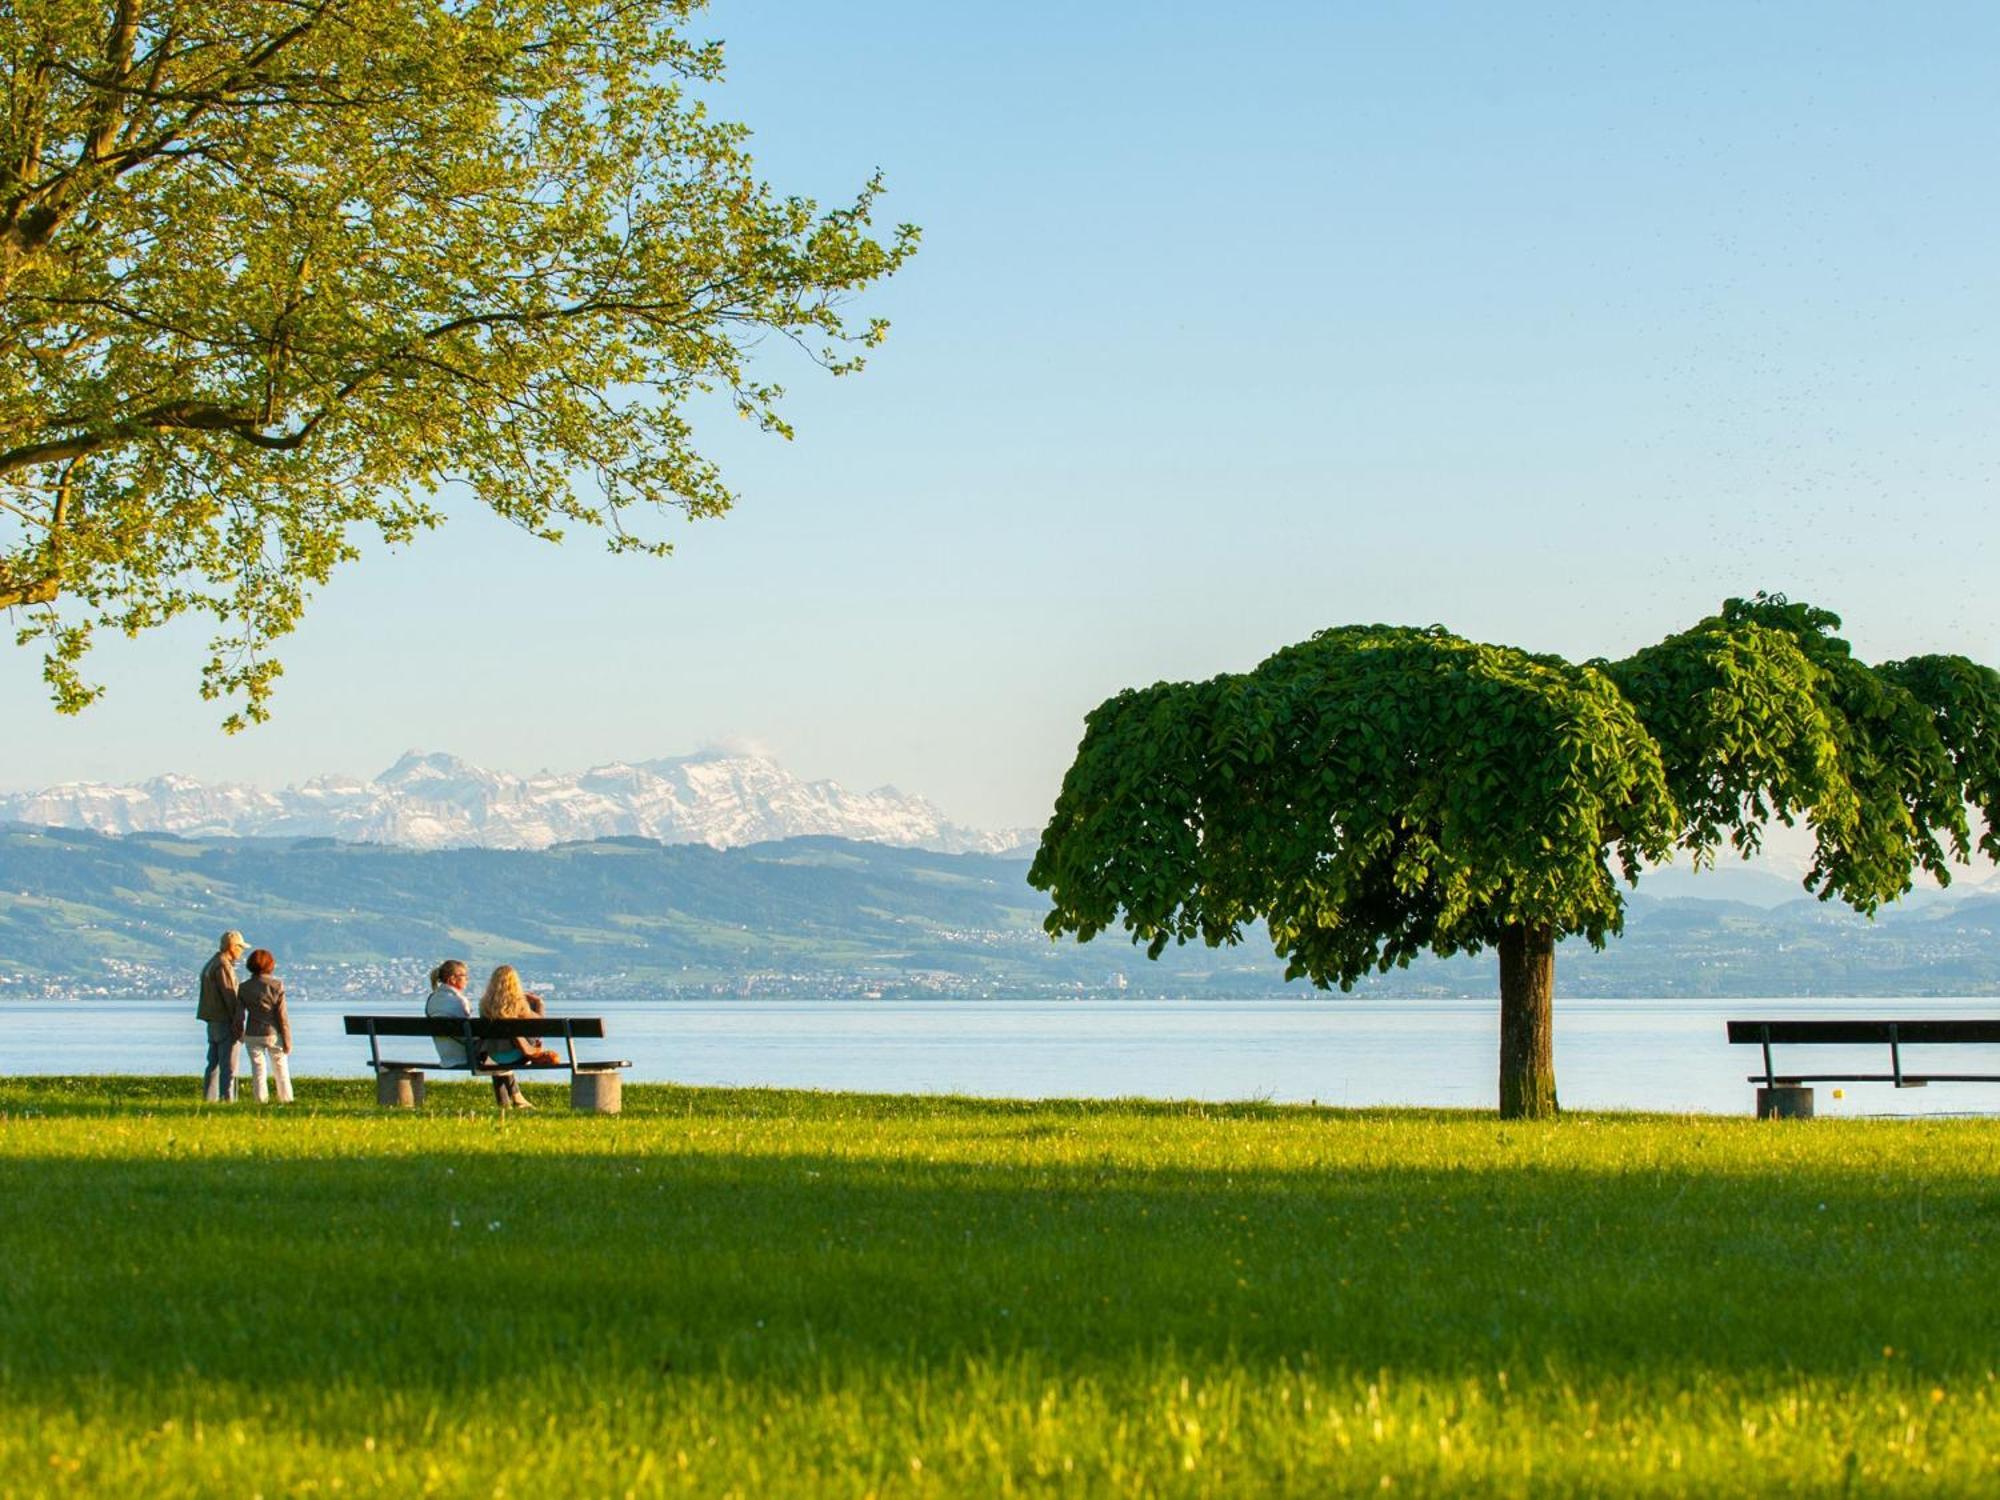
[505,1000]
[448,999]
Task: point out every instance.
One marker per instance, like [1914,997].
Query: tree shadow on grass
[449,1272]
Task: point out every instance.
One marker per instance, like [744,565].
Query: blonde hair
[504,998]
[446,969]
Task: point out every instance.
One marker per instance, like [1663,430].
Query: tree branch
[178,416]
[118,48]
[33,218]
[43,590]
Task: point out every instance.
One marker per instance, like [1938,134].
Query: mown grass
[766,1293]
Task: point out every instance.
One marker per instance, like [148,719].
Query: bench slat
[1909,1080]
[1861,1033]
[588,1027]
[432,1065]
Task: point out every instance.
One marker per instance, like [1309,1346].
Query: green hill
[631,917]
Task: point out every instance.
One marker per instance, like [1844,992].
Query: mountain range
[435,801]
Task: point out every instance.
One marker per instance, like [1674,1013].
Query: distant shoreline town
[93,916]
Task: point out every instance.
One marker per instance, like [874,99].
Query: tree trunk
[1527,1023]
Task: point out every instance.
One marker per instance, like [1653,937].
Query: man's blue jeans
[218,1082]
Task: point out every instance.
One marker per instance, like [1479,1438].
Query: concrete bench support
[400,1088]
[596,1092]
[1785,1102]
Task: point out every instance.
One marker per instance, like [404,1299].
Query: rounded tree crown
[1369,793]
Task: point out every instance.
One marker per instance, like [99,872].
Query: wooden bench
[593,1086]
[1786,1096]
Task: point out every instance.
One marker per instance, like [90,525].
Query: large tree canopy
[1370,793]
[1377,792]
[273,272]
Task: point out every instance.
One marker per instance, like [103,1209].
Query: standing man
[218,1009]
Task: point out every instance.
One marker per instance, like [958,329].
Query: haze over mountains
[435,801]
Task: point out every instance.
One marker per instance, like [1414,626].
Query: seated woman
[505,1000]
[448,1000]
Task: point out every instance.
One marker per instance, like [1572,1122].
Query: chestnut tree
[1377,792]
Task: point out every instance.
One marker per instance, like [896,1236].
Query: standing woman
[264,1026]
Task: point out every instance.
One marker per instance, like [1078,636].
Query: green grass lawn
[767,1293]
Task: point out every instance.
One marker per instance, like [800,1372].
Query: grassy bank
[776,1293]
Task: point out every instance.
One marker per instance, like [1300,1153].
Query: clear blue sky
[1555,324]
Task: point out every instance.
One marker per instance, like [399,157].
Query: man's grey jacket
[218,990]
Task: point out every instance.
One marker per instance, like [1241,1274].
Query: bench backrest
[485,1031]
[1858,1032]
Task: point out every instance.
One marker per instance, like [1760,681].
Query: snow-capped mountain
[434,801]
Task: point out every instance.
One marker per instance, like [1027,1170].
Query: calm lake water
[1610,1054]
